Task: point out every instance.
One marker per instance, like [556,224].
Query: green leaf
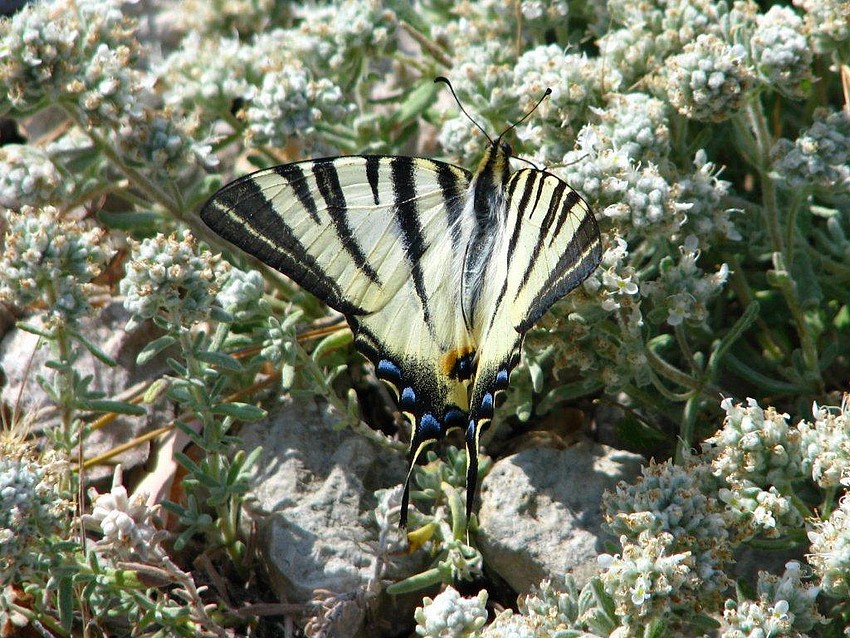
[219,360]
[657,628]
[416,102]
[118,407]
[65,602]
[154,348]
[741,326]
[568,392]
[221,315]
[334,341]
[179,369]
[131,222]
[241,411]
[28,327]
[156,390]
[94,349]
[416,583]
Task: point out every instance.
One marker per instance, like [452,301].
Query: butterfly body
[439,272]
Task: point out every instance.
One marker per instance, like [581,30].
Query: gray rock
[22,360]
[315,486]
[540,511]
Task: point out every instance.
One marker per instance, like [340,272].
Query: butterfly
[439,271]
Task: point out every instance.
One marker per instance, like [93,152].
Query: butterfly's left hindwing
[379,239]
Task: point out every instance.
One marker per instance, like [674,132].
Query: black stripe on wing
[327,179]
[294,176]
[242,214]
[453,198]
[546,223]
[576,263]
[407,216]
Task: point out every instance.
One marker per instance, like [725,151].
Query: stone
[22,360]
[315,486]
[540,512]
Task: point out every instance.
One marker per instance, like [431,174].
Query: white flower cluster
[209,89]
[50,258]
[780,52]
[674,499]
[757,453]
[29,177]
[124,522]
[830,550]
[343,34]
[827,23]
[575,83]
[682,289]
[652,31]
[69,49]
[709,79]
[449,615]
[620,188]
[820,156]
[167,278]
[825,445]
[29,509]
[755,444]
[240,295]
[785,607]
[216,17]
[635,124]
[268,80]
[162,144]
[702,193]
[650,578]
[545,612]
[288,103]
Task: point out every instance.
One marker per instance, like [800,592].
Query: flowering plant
[710,137]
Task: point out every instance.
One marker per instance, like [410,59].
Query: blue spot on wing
[454,418]
[389,371]
[502,379]
[487,404]
[430,427]
[407,399]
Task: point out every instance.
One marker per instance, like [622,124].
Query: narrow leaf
[241,411]
[118,407]
[219,360]
[154,348]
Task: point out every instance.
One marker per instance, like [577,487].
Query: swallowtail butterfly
[440,272]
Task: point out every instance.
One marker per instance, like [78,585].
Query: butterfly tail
[427,430]
[471,466]
[405,500]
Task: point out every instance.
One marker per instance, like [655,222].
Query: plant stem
[771,215]
[136,178]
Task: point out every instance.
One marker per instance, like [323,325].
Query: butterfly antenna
[445,81]
[546,94]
